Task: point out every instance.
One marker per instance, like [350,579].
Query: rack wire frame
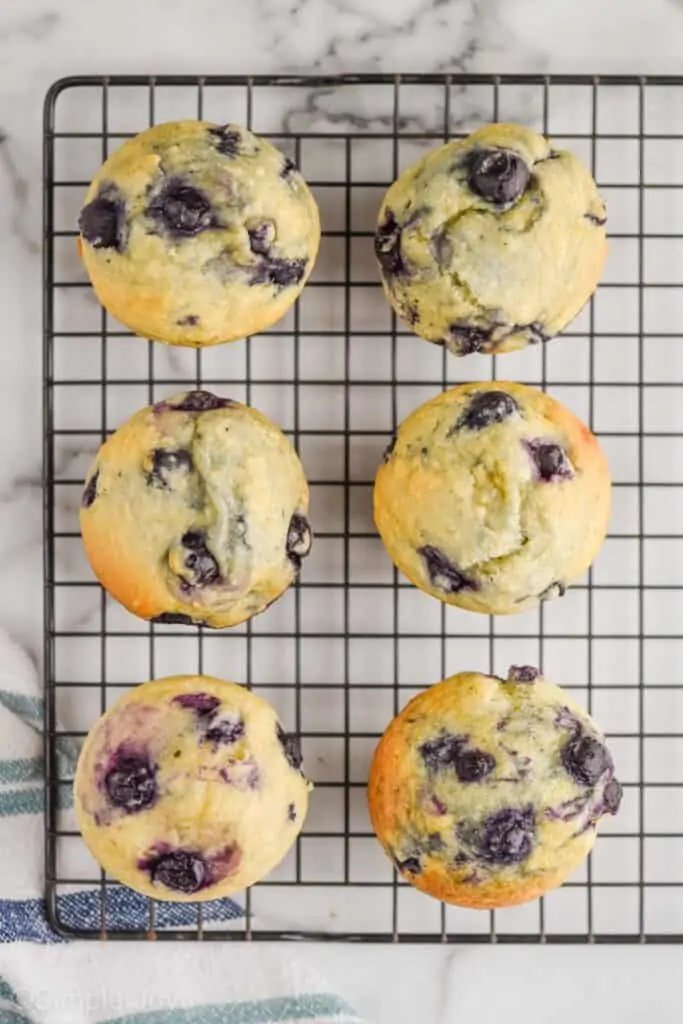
[392,130]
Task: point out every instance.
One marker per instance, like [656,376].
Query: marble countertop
[41,41]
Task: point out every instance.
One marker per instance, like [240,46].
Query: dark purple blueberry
[200,401]
[299,539]
[568,810]
[498,175]
[291,813]
[612,795]
[594,219]
[201,564]
[468,338]
[507,837]
[443,575]
[165,461]
[203,704]
[585,758]
[473,765]
[226,139]
[556,589]
[191,320]
[224,732]
[181,210]
[173,619]
[291,747]
[131,782]
[441,753]
[411,314]
[102,221]
[261,237]
[389,450]
[522,674]
[409,866]
[535,332]
[288,168]
[550,460]
[278,272]
[486,408]
[180,870]
[388,246]
[90,491]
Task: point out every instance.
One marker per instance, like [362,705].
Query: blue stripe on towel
[309,1007]
[7,992]
[14,1017]
[31,801]
[25,920]
[21,769]
[30,709]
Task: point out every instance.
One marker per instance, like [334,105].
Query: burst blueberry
[166,461]
[506,837]
[181,210]
[90,491]
[523,674]
[498,175]
[443,575]
[277,271]
[180,870]
[102,221]
[226,139]
[299,539]
[486,408]
[173,619]
[388,246]
[465,339]
[225,731]
[291,747]
[204,705]
[202,566]
[198,401]
[585,758]
[549,459]
[131,782]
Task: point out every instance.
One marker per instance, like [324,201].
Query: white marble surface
[41,41]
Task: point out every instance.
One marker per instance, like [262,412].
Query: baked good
[492,497]
[194,511]
[487,792]
[491,243]
[189,789]
[195,233]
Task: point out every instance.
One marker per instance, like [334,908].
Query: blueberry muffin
[196,233]
[493,497]
[190,789]
[194,511]
[487,792]
[492,243]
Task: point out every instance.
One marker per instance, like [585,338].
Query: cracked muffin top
[196,233]
[493,496]
[194,512]
[491,243]
[487,792]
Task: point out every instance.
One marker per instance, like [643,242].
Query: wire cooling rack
[346,648]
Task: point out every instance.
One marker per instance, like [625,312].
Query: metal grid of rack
[348,646]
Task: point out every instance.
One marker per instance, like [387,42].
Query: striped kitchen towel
[63,982]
